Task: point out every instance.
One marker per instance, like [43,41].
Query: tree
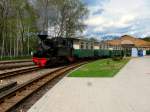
[17,18]
[146,39]
[93,39]
[64,17]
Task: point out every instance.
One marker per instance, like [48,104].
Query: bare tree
[65,17]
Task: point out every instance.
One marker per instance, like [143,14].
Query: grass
[100,68]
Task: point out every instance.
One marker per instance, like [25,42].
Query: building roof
[129,40]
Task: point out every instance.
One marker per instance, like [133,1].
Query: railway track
[18,72]
[15,65]
[15,61]
[12,98]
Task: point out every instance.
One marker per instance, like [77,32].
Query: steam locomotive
[54,50]
[67,50]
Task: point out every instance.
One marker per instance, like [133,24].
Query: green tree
[65,17]
[17,18]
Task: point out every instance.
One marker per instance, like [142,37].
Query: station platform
[128,91]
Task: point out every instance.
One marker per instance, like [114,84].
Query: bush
[148,52]
[117,58]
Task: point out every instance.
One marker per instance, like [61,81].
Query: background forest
[21,20]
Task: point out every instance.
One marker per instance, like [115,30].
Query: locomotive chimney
[43,35]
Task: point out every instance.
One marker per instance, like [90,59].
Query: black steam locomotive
[54,50]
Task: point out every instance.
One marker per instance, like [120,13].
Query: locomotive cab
[63,46]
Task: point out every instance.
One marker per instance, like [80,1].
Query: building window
[100,47]
[91,46]
[86,45]
[82,45]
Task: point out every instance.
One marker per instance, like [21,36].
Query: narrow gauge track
[18,72]
[14,61]
[18,94]
[15,65]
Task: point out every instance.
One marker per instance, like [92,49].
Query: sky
[118,17]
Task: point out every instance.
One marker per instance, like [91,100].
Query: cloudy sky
[118,17]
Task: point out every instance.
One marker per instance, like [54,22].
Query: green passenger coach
[83,48]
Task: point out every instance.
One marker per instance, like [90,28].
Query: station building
[129,44]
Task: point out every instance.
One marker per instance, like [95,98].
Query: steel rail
[11,99]
[18,72]
[14,61]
